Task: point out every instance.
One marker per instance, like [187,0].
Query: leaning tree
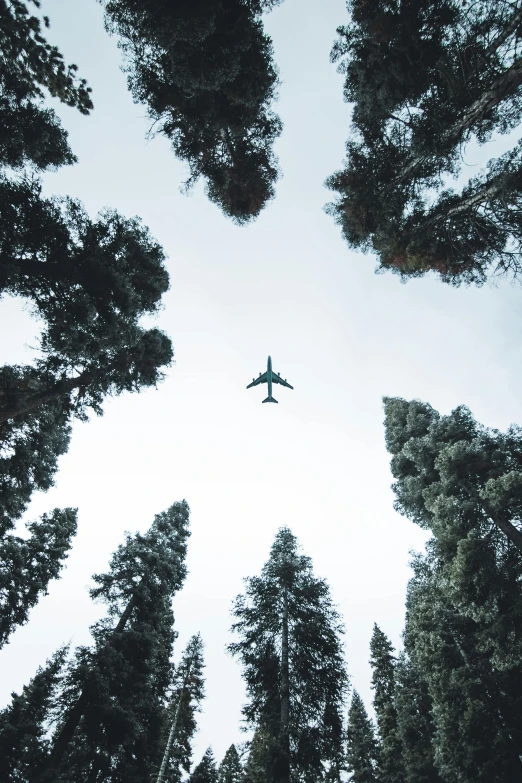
[426,78]
[107,721]
[187,693]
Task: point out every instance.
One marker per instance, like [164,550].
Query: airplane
[269,377]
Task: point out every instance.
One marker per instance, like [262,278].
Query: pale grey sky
[286,285]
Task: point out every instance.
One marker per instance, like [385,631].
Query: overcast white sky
[286,285]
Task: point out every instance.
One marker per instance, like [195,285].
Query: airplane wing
[256,381]
[277,379]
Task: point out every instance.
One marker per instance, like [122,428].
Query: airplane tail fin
[270,399]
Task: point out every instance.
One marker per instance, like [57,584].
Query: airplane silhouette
[269,377]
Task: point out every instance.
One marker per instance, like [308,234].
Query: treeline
[448,707]
[118,710]
[425,79]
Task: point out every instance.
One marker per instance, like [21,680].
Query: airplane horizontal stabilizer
[270,399]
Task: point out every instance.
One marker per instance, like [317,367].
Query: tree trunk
[466,203]
[514,535]
[73,718]
[28,402]
[172,732]
[508,30]
[284,765]
[501,88]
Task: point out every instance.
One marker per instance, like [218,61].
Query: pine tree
[90,281]
[383,683]
[112,701]
[462,482]
[293,665]
[180,719]
[28,564]
[426,78]
[74,268]
[230,770]
[30,132]
[206,770]
[473,679]
[415,719]
[28,462]
[23,740]
[362,752]
[205,71]
[30,450]
[262,751]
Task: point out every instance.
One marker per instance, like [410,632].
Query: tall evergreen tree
[30,450]
[462,482]
[90,281]
[28,564]
[113,697]
[362,753]
[262,750]
[383,683]
[206,770]
[205,71]
[23,740]
[185,702]
[29,131]
[230,770]
[293,666]
[473,680]
[415,724]
[439,74]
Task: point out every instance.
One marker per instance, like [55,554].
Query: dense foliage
[27,564]
[458,479]
[206,74]
[23,730]
[30,131]
[470,658]
[426,78]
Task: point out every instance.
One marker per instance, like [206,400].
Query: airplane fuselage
[269,375]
